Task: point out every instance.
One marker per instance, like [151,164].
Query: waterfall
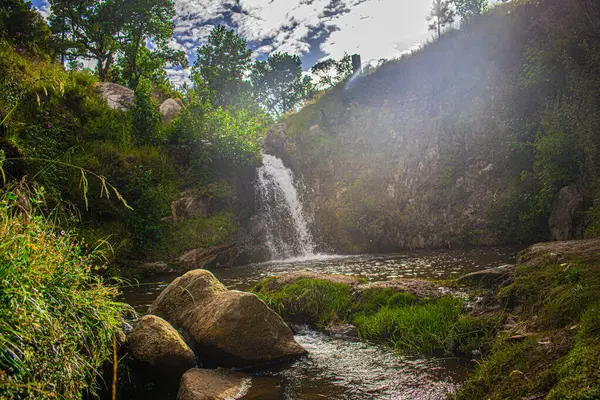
[286,224]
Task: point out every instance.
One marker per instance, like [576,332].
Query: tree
[145,116]
[441,14]
[89,29]
[221,65]
[331,72]
[279,84]
[147,21]
[21,25]
[468,8]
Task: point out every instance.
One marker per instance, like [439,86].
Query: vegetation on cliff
[487,135]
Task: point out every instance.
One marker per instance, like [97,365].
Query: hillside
[486,136]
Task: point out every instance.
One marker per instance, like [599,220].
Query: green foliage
[24,27]
[58,318]
[145,117]
[279,84]
[469,8]
[220,66]
[371,300]
[423,328]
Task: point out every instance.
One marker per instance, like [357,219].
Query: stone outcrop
[154,343]
[489,277]
[201,258]
[418,287]
[213,384]
[279,281]
[170,109]
[225,328]
[189,205]
[566,220]
[117,97]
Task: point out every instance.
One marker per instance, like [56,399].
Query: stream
[341,369]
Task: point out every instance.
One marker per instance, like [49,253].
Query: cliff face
[467,141]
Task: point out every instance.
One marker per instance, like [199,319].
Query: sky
[312,29]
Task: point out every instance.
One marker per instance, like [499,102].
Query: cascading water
[286,225]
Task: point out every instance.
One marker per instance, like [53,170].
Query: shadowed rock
[489,277]
[225,328]
[213,384]
[155,344]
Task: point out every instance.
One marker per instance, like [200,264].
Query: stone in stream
[158,346]
[224,327]
[213,384]
[489,277]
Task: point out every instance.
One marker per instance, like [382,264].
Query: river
[341,369]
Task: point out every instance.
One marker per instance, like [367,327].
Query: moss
[371,300]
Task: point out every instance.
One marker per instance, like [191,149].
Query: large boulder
[170,109]
[566,219]
[225,328]
[213,384]
[156,345]
[117,97]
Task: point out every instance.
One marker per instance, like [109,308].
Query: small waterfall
[286,225]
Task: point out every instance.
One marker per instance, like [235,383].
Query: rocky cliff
[467,141]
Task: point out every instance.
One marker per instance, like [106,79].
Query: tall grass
[58,318]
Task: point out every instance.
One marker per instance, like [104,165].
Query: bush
[58,318]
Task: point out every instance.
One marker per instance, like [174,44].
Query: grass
[314,301]
[58,318]
[399,319]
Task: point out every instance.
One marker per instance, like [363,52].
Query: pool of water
[341,369]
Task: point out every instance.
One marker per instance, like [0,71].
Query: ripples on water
[340,369]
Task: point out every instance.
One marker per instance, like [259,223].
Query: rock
[566,220]
[117,97]
[154,268]
[342,331]
[155,343]
[170,109]
[200,258]
[417,287]
[279,281]
[213,384]
[188,206]
[225,328]
[489,277]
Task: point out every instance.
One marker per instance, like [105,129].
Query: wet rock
[418,287]
[155,344]
[117,97]
[189,205]
[342,331]
[566,220]
[225,328]
[213,384]
[170,109]
[154,268]
[489,277]
[279,281]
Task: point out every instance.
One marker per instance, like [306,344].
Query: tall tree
[89,29]
[441,14]
[331,72]
[279,84]
[221,65]
[147,21]
[468,8]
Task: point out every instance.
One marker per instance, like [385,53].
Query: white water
[288,235]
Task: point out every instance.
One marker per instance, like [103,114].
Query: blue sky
[313,29]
